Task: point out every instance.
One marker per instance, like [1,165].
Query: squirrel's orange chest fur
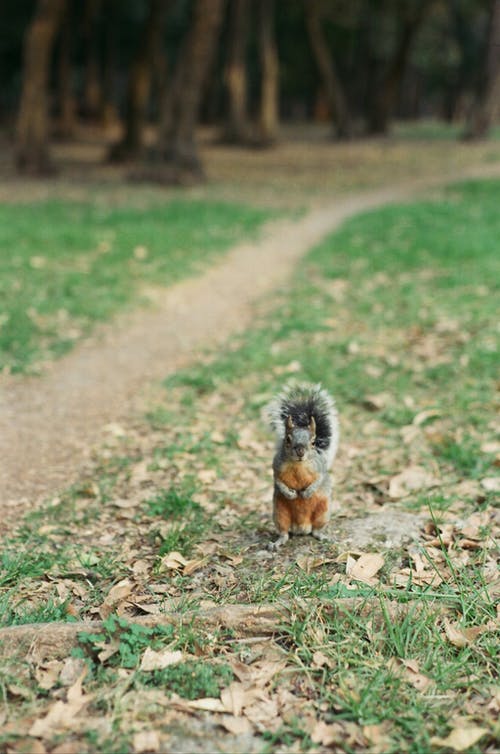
[299,515]
[297,475]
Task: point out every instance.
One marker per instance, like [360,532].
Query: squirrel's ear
[312,427]
[289,423]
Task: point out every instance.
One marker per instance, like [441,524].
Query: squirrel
[305,421]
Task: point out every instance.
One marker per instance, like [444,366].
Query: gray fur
[303,396]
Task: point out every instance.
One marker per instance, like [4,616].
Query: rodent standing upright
[305,421]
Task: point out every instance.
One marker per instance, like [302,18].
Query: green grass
[434,130]
[401,302]
[65,266]
[422,276]
[187,520]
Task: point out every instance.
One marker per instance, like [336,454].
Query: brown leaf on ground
[411,479]
[309,562]
[377,402]
[460,738]
[461,637]
[152,660]
[116,595]
[72,669]
[326,735]
[208,704]
[491,483]
[146,740]
[207,476]
[377,737]
[235,697]
[47,675]
[320,660]
[61,715]
[264,714]
[410,671]
[173,561]
[238,726]
[365,568]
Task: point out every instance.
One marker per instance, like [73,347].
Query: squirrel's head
[299,440]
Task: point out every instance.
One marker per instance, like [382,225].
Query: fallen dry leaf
[461,637]
[174,561]
[47,675]
[117,594]
[234,698]
[461,738]
[146,740]
[238,726]
[194,565]
[410,480]
[325,734]
[377,402]
[365,568]
[309,562]
[152,660]
[72,669]
[320,660]
[125,503]
[207,476]
[409,670]
[491,483]
[207,704]
[377,737]
[264,714]
[423,416]
[61,715]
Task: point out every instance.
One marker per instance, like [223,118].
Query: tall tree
[334,90]
[488,93]
[177,142]
[92,83]
[139,81]
[237,126]
[32,131]
[269,75]
[65,95]
[384,94]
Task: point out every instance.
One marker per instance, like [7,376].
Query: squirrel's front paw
[285,490]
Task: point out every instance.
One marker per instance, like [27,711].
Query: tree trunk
[268,114]
[237,125]
[67,104]
[140,82]
[33,118]
[177,144]
[487,102]
[108,110]
[92,85]
[325,62]
[386,94]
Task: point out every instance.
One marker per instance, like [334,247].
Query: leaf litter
[125,555]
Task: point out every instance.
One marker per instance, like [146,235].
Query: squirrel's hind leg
[321,535]
[283,537]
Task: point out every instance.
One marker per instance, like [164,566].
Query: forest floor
[145,612]
[51,422]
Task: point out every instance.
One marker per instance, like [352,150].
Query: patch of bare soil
[49,424]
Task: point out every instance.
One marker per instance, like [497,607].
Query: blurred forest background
[147,73]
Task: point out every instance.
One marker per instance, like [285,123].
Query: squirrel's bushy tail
[301,401]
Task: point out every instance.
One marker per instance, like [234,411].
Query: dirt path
[49,424]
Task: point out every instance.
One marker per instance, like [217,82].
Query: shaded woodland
[243,66]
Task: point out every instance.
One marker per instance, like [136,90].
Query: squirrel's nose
[300,451]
